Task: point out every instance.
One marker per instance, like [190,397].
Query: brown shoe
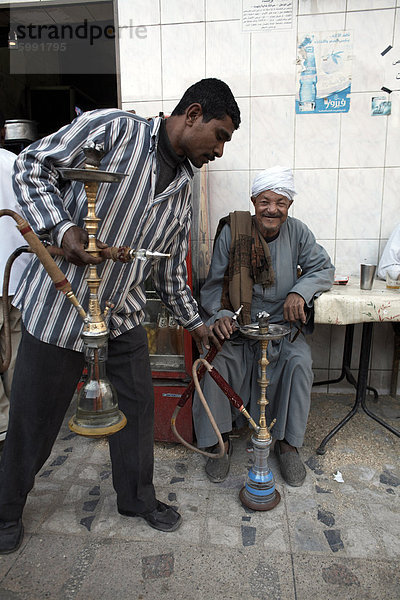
[292,469]
[217,469]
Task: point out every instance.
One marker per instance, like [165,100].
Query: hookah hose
[5,363]
[57,276]
[232,396]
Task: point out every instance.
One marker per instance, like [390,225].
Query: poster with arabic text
[323,82]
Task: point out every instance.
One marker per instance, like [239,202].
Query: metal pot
[21,129]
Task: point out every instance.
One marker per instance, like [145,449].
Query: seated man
[255,263]
[390,259]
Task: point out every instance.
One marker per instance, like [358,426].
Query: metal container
[21,129]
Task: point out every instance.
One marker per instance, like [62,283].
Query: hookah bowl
[259,491]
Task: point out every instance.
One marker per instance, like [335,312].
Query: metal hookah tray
[274,331]
[91,175]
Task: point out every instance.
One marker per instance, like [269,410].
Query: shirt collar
[154,135]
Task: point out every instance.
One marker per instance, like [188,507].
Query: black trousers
[45,379]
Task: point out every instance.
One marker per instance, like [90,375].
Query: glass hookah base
[94,430]
[261,502]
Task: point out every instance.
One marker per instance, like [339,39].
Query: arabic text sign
[261,15]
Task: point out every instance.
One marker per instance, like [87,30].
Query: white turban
[277,179]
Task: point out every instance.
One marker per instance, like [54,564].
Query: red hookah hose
[209,357]
[232,396]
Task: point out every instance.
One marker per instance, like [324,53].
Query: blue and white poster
[323,82]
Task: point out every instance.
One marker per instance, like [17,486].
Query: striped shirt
[130,215]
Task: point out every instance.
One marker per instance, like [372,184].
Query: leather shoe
[217,469]
[11,536]
[163,517]
[292,469]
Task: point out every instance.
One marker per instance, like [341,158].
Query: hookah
[259,491]
[97,413]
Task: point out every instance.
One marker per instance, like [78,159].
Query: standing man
[149,209]
[255,263]
[11,239]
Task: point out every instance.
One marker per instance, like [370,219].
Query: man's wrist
[59,230]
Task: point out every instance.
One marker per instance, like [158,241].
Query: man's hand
[74,242]
[203,335]
[223,327]
[293,309]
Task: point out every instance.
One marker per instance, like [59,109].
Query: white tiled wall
[347,166]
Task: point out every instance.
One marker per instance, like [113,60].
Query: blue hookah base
[259,492]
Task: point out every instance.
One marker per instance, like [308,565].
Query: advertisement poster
[263,15]
[391,61]
[323,78]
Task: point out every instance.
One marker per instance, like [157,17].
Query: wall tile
[351,253]
[391,202]
[380,380]
[144,109]
[360,189]
[329,246]
[382,244]
[273,62]
[317,141]
[309,7]
[392,158]
[236,152]
[227,60]
[140,12]
[316,200]
[319,342]
[169,105]
[136,84]
[227,191]
[321,22]
[369,4]
[179,74]
[362,139]
[341,387]
[223,10]
[176,11]
[272,132]
[319,375]
[337,347]
[382,346]
[367,47]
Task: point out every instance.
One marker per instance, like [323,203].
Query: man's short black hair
[215,98]
[2,120]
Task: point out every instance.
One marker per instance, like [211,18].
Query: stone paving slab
[325,540]
[333,578]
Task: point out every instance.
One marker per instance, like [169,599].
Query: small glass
[392,284]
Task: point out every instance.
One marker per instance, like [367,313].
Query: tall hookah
[259,491]
[97,413]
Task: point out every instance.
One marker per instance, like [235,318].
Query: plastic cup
[367,274]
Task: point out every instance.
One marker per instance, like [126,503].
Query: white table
[348,305]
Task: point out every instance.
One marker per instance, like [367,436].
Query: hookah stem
[232,396]
[97,400]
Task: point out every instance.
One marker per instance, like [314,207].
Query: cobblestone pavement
[329,539]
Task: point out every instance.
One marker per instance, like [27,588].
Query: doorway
[57,60]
